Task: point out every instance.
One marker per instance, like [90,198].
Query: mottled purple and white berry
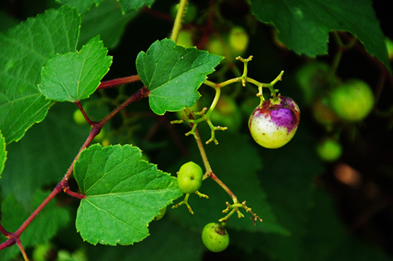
[274,123]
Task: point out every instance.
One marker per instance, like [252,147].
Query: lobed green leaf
[75,76]
[164,236]
[106,20]
[290,189]
[173,74]
[304,25]
[123,194]
[24,50]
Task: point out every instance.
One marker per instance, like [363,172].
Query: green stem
[341,49]
[225,187]
[222,84]
[203,155]
[215,101]
[178,20]
[338,55]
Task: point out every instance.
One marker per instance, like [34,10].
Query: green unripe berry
[353,100]
[322,112]
[197,107]
[329,150]
[313,78]
[100,136]
[389,46]
[189,15]
[215,237]
[189,177]
[227,114]
[185,38]
[79,118]
[215,46]
[238,40]
[42,252]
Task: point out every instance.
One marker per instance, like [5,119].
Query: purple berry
[274,123]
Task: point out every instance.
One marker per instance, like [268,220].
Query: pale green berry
[353,100]
[215,237]
[189,177]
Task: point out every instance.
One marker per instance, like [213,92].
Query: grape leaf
[304,25]
[326,238]
[126,5]
[356,249]
[41,229]
[81,6]
[164,235]
[123,194]
[107,20]
[75,76]
[57,135]
[173,74]
[7,21]
[326,232]
[329,237]
[131,5]
[290,189]
[24,50]
[3,153]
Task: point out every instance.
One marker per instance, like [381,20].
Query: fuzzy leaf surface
[304,25]
[24,50]
[75,76]
[123,194]
[173,74]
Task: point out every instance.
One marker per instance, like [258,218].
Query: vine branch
[13,238]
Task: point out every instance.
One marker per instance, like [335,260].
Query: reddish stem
[2,230]
[119,81]
[9,242]
[161,15]
[63,184]
[94,132]
[22,249]
[90,122]
[219,182]
[73,194]
[14,237]
[141,93]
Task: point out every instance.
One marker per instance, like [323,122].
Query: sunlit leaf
[173,74]
[123,194]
